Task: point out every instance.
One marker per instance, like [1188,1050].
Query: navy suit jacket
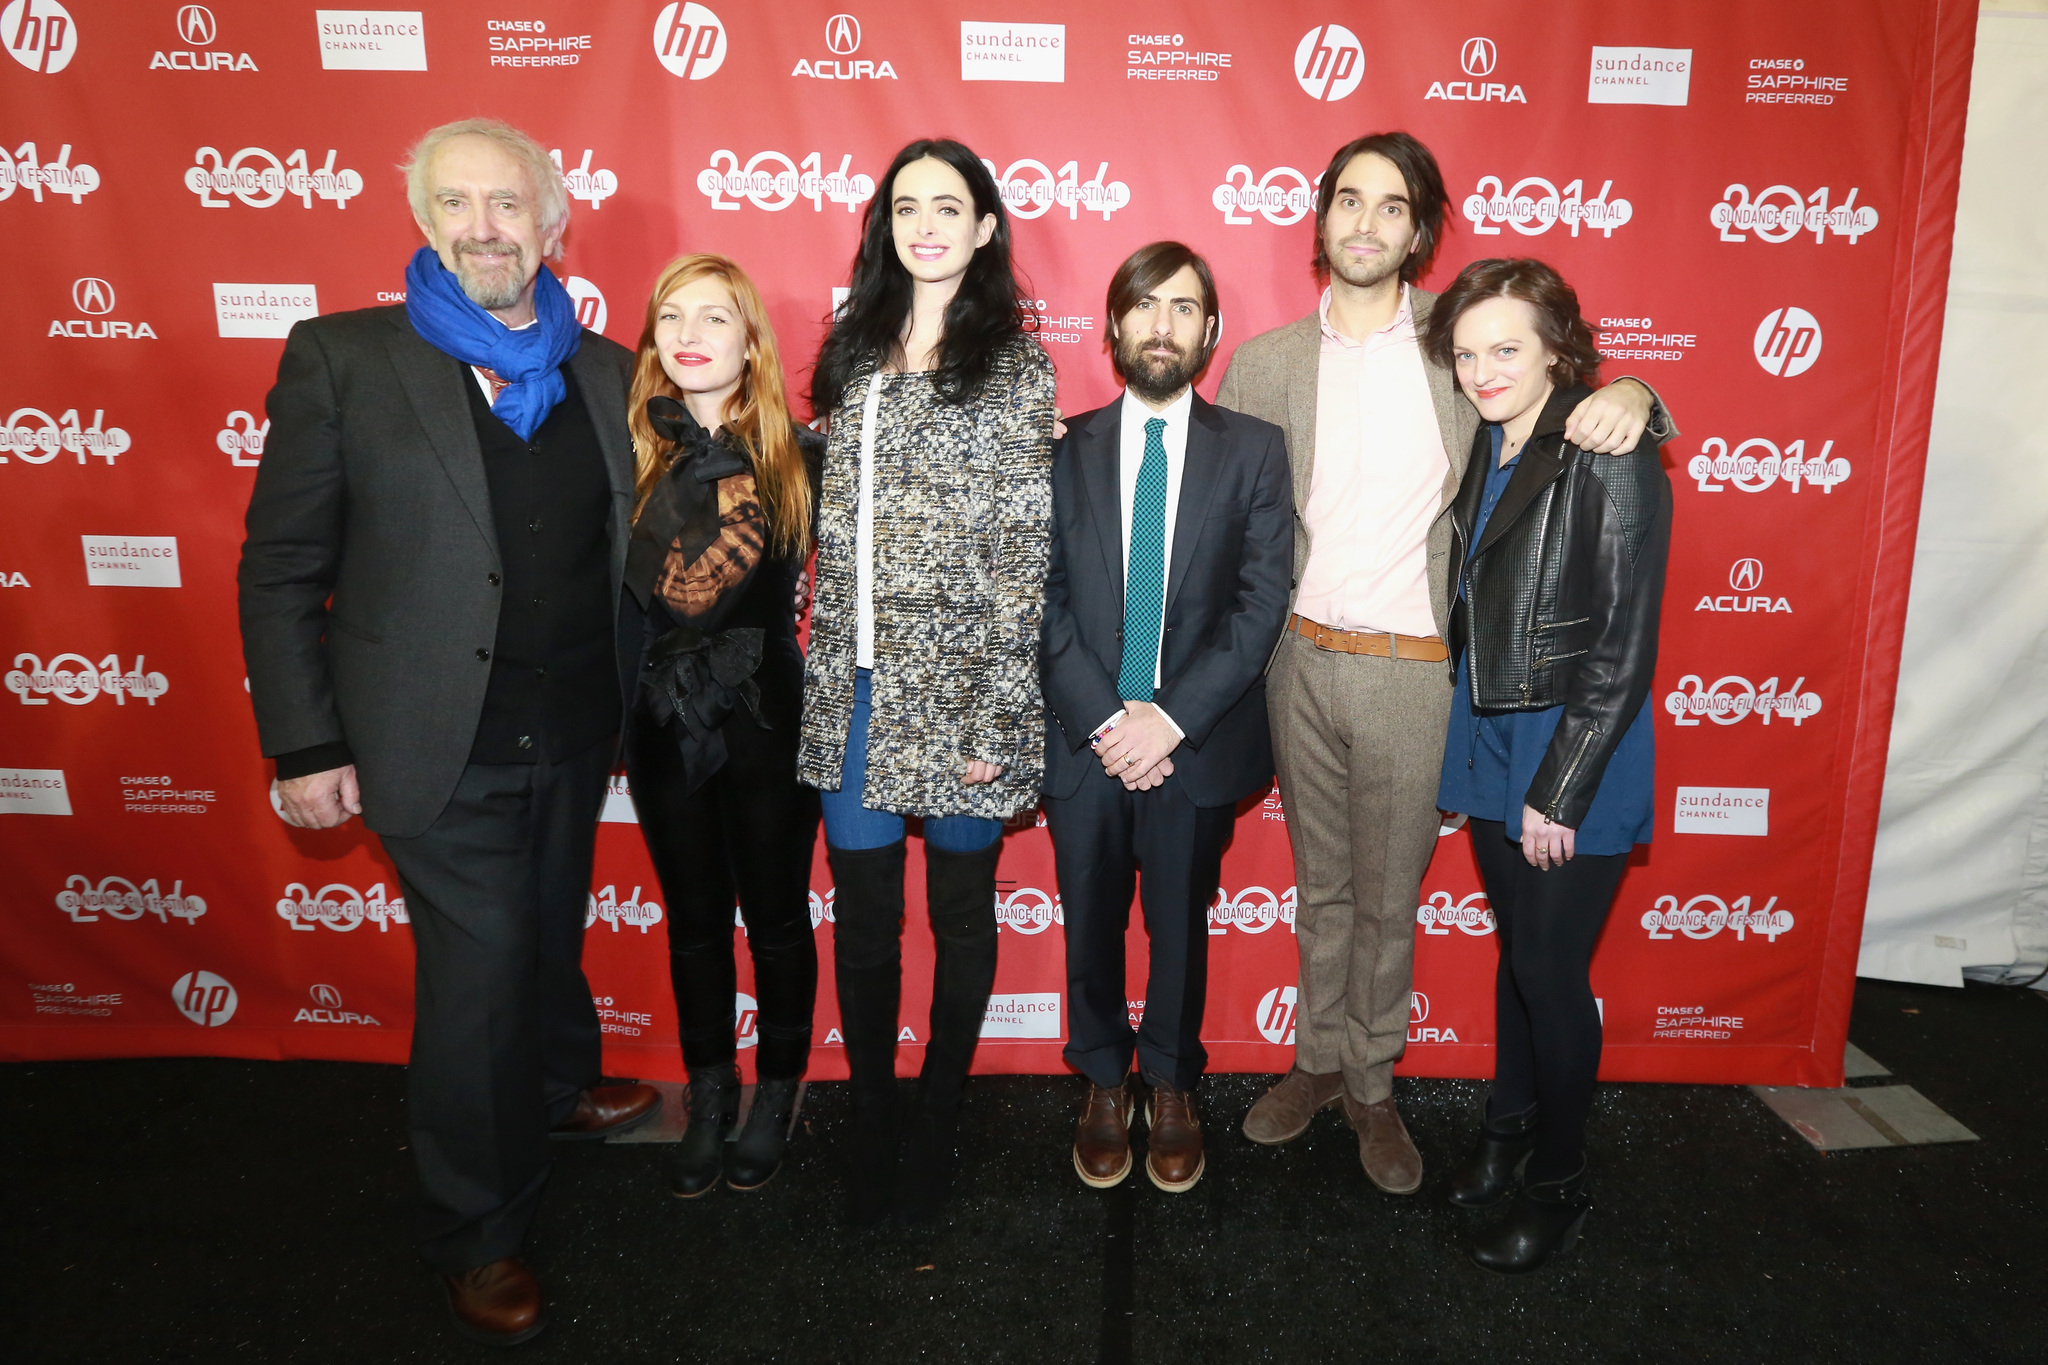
[1226,600]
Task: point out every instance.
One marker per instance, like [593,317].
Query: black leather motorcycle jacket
[1561,597]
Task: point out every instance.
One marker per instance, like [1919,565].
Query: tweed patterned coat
[962,535]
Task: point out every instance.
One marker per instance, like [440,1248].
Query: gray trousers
[504,1033]
[1359,744]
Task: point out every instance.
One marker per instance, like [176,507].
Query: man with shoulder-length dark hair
[1172,538]
[1378,438]
[428,588]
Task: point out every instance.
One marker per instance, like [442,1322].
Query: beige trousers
[1359,744]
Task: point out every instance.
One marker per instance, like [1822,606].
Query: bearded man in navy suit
[1172,551]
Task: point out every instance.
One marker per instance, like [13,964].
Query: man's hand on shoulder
[1611,420]
[319,800]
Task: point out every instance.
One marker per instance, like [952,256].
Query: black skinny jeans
[1546,1024]
[748,833]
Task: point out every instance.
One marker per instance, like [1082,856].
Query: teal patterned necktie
[1145,574]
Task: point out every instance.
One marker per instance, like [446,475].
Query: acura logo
[195,25]
[842,34]
[326,997]
[1418,1006]
[1478,56]
[1747,575]
[92,296]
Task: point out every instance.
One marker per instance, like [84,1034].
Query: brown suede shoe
[1102,1139]
[1283,1112]
[1173,1140]
[1384,1147]
[497,1303]
[606,1109]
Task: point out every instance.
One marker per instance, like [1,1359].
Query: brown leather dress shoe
[1283,1112]
[1173,1141]
[606,1109]
[1384,1147]
[1102,1139]
[497,1303]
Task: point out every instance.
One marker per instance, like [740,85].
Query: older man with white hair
[435,545]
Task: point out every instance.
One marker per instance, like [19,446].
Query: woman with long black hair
[722,522]
[921,688]
[1558,559]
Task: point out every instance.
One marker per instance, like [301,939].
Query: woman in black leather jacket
[1559,562]
[722,525]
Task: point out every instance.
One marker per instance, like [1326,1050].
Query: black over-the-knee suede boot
[867,964]
[960,891]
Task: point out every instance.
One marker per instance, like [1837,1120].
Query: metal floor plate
[1866,1116]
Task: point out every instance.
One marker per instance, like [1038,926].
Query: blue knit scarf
[530,359]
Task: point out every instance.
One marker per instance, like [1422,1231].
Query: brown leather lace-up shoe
[1173,1142]
[1384,1147]
[1283,1112]
[606,1109]
[497,1303]
[1102,1139]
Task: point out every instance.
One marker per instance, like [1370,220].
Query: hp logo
[204,998]
[1276,1015]
[689,40]
[195,25]
[39,34]
[1787,342]
[92,296]
[1329,62]
[842,34]
[1478,56]
[1747,575]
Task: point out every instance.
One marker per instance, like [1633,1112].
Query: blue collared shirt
[1491,757]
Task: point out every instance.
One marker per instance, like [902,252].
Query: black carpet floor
[207,1210]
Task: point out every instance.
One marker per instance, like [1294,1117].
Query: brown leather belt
[1383,644]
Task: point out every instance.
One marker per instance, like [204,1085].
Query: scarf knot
[528,362]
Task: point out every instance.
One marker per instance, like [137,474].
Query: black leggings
[1546,1024]
[748,831]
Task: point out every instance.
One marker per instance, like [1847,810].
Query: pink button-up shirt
[1377,482]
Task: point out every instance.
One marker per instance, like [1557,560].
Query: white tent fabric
[1960,878]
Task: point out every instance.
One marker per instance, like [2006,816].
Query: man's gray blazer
[370,577]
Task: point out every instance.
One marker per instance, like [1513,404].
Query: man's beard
[495,287]
[1153,377]
[1363,274]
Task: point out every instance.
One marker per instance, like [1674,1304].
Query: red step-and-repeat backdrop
[1754,200]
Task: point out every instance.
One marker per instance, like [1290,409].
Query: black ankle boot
[960,894]
[714,1100]
[757,1154]
[1489,1174]
[1543,1222]
[867,937]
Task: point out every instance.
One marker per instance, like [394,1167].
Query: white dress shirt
[1130,458]
[864,531]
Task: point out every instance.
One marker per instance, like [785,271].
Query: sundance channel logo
[263,310]
[1722,810]
[372,39]
[1024,1017]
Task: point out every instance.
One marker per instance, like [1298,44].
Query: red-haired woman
[726,487]
[1558,559]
